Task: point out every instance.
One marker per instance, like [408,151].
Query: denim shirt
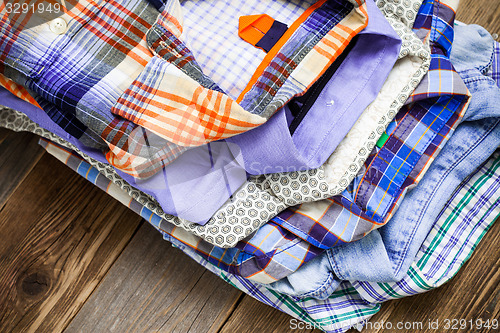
[386,254]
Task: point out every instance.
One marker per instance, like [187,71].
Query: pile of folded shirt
[322,156]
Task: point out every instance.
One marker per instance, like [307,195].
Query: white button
[58,26]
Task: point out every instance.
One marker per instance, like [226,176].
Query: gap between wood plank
[57,239]
[230,314]
[106,273]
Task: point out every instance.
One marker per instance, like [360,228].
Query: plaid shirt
[240,260]
[279,248]
[414,138]
[457,231]
[99,80]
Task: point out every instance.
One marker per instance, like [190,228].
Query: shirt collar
[321,33]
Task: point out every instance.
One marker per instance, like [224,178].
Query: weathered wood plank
[60,235]
[154,287]
[145,308]
[254,316]
[474,293]
[3,132]
[19,152]
[483,12]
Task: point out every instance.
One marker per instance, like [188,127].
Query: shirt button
[58,26]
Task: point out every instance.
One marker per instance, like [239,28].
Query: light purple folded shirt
[198,183]
[193,187]
[270,148]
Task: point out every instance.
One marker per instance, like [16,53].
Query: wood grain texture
[60,235]
[19,152]
[254,316]
[154,287]
[483,12]
[62,238]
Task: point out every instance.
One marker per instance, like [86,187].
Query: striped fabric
[17,90]
[415,137]
[457,231]
[121,78]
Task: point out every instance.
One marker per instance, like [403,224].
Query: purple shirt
[270,148]
[198,183]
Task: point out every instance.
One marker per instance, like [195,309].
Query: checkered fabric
[17,90]
[494,72]
[418,132]
[121,78]
[457,231]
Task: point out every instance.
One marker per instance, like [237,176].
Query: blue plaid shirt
[413,139]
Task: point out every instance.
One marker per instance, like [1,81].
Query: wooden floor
[72,259]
